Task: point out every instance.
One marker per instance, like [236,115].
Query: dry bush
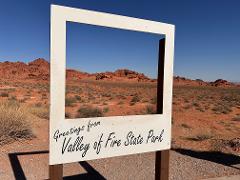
[88,111]
[40,111]
[222,109]
[14,123]
[12,98]
[154,100]
[237,118]
[150,109]
[227,144]
[185,126]
[4,94]
[200,137]
[134,99]
[77,97]
[69,101]
[105,109]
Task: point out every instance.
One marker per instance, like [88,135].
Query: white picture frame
[160,124]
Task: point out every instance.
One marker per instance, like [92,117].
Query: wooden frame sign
[100,137]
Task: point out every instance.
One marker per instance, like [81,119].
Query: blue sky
[207,36]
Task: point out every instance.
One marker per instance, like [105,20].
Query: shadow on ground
[213,156]
[19,173]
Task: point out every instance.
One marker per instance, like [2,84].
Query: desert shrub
[23,100]
[104,103]
[195,104]
[13,103]
[206,107]
[67,115]
[134,99]
[154,100]
[120,103]
[237,118]
[187,106]
[69,101]
[221,109]
[217,146]
[106,95]
[145,100]
[200,97]
[12,98]
[4,94]
[96,102]
[122,97]
[39,111]
[39,104]
[105,109]
[200,109]
[221,144]
[14,123]
[150,109]
[77,97]
[44,96]
[88,111]
[186,100]
[185,126]
[200,137]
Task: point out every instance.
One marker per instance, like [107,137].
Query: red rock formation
[39,69]
[221,83]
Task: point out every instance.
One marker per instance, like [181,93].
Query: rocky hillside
[182,81]
[221,83]
[20,70]
[123,74]
[39,70]
[188,82]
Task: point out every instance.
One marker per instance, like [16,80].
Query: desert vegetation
[14,122]
[206,116]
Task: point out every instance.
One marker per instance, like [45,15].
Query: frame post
[56,172]
[162,157]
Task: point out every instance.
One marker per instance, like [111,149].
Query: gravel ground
[184,167]
[29,160]
[140,166]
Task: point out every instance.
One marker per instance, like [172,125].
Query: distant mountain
[198,82]
[39,69]
[221,83]
[188,82]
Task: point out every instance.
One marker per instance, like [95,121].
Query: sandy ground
[29,160]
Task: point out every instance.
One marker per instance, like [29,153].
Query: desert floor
[205,128]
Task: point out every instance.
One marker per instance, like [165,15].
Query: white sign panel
[73,140]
